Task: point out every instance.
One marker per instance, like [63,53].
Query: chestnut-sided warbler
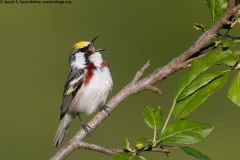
[86,87]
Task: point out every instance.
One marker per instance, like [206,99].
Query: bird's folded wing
[73,83]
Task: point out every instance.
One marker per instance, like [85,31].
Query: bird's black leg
[104,108]
[84,126]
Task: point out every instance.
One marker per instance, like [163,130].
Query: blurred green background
[35,44]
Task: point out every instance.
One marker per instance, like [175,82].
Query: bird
[87,86]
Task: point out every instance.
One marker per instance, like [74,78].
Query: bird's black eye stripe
[86,55]
[82,49]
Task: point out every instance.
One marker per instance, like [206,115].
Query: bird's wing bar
[73,83]
[74,78]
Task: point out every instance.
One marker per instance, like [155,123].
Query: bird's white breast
[94,94]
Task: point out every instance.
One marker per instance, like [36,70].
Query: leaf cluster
[192,91]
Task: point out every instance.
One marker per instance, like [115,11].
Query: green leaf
[143,142]
[226,42]
[185,132]
[199,26]
[125,156]
[217,8]
[234,90]
[153,117]
[126,145]
[201,64]
[197,83]
[230,60]
[186,106]
[194,153]
[191,90]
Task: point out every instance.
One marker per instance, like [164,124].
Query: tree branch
[111,152]
[137,85]
[101,149]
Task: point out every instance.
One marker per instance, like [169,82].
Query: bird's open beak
[94,39]
[92,42]
[98,50]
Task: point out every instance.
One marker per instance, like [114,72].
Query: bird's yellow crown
[80,45]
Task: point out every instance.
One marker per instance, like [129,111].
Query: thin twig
[154,89]
[163,150]
[100,149]
[141,71]
[111,152]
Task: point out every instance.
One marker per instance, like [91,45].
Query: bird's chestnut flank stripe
[105,64]
[89,73]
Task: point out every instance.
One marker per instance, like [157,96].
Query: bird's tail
[62,128]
